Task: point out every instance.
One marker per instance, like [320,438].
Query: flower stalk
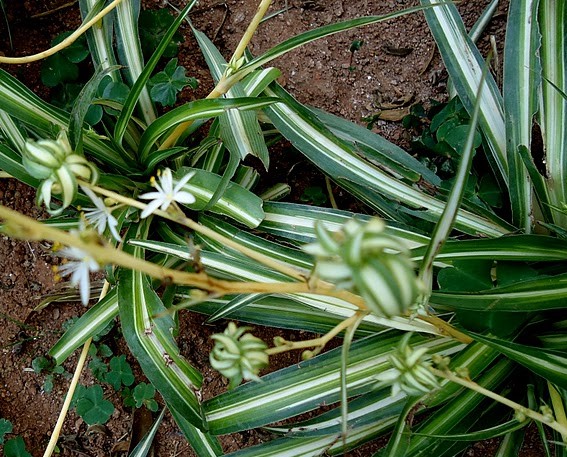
[20,226]
[66,42]
[520,410]
[231,76]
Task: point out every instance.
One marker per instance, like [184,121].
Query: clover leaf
[153,25]
[93,407]
[143,394]
[120,373]
[167,83]
[16,447]
[62,66]
[5,428]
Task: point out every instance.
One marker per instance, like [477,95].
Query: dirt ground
[395,67]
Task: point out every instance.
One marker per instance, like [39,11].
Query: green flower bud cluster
[411,373]
[363,258]
[54,162]
[238,355]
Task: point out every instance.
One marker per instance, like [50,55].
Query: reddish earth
[395,67]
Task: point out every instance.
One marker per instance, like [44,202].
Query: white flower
[80,267]
[101,216]
[166,193]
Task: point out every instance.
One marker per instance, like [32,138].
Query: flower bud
[364,258]
[55,162]
[411,373]
[238,355]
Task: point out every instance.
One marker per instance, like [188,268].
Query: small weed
[355,46]
[314,195]
[44,365]
[143,395]
[14,447]
[5,428]
[91,405]
[61,68]
[153,26]
[120,373]
[166,84]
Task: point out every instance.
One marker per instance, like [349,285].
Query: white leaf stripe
[464,64]
[130,52]
[240,131]
[153,345]
[88,325]
[553,115]
[336,158]
[245,270]
[301,388]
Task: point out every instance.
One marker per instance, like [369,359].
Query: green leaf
[76,52]
[16,447]
[542,293]
[98,368]
[136,73]
[465,64]
[153,26]
[306,386]
[95,320]
[237,203]
[553,115]
[508,273]
[198,109]
[41,363]
[142,73]
[547,363]
[104,350]
[48,384]
[120,373]
[93,407]
[167,83]
[239,130]
[520,89]
[371,183]
[203,443]
[41,117]
[81,106]
[144,394]
[467,276]
[99,38]
[57,69]
[5,428]
[151,341]
[490,192]
[450,418]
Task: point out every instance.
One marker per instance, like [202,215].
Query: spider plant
[489,293]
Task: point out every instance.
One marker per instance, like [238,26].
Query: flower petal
[150,208]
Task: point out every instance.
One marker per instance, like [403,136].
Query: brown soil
[324,74]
